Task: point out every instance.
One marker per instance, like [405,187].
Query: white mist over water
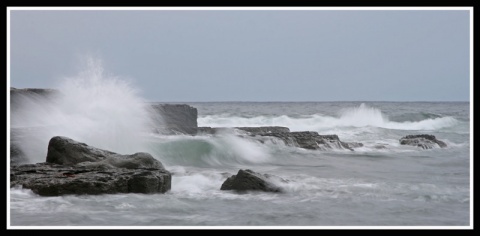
[94,107]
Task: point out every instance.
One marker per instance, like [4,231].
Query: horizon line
[309,101]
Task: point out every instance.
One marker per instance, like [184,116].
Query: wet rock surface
[248,180]
[175,118]
[425,141]
[75,168]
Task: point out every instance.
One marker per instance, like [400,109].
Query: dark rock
[249,130]
[76,168]
[149,182]
[175,118]
[425,141]
[48,179]
[353,145]
[214,130]
[138,160]
[247,180]
[206,130]
[305,139]
[380,146]
[333,142]
[265,129]
[313,140]
[65,151]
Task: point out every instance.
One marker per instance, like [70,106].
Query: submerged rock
[247,180]
[425,141]
[76,168]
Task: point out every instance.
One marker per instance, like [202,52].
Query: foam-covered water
[358,116]
[382,183]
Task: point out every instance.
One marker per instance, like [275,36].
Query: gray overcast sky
[317,55]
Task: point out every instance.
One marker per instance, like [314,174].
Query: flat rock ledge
[425,141]
[76,168]
[304,139]
[313,140]
[248,180]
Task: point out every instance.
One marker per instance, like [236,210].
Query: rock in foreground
[247,180]
[76,168]
[48,179]
[425,141]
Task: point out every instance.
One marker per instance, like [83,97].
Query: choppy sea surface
[382,183]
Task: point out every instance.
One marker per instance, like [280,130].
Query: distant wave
[361,116]
[414,117]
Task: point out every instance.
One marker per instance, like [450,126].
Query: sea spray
[93,107]
[362,115]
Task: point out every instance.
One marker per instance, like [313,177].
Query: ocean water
[391,186]
[382,183]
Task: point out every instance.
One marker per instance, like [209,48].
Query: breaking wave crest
[361,116]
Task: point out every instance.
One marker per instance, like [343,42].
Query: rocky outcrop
[66,151]
[313,140]
[47,179]
[250,130]
[175,118]
[305,139]
[76,168]
[425,141]
[247,180]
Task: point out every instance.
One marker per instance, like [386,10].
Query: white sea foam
[361,116]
